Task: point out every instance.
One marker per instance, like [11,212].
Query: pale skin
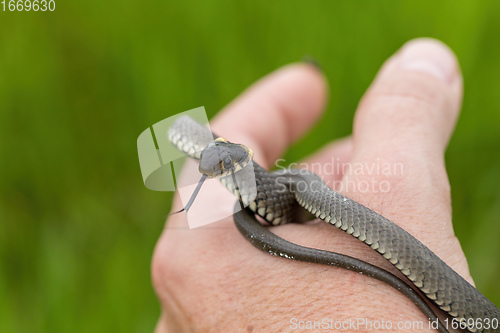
[212,280]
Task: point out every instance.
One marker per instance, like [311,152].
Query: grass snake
[277,198]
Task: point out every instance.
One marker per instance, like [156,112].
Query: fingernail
[313,62]
[429,56]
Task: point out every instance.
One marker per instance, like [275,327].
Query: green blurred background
[78,85]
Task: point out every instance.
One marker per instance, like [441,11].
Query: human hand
[211,280]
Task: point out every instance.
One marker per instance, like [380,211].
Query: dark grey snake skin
[278,193]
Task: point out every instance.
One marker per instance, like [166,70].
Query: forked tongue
[193,196]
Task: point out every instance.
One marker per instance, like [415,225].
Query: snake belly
[276,201]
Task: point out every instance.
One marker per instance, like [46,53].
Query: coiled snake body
[275,199]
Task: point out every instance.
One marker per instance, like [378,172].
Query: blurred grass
[78,85]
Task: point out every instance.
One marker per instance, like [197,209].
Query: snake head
[221,158]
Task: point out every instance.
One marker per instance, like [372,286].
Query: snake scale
[277,197]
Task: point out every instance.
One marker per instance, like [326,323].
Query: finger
[408,114]
[275,111]
[416,95]
[406,119]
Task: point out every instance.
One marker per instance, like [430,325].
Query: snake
[278,197]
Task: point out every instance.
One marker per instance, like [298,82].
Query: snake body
[277,200]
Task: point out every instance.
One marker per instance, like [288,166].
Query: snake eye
[228,162]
